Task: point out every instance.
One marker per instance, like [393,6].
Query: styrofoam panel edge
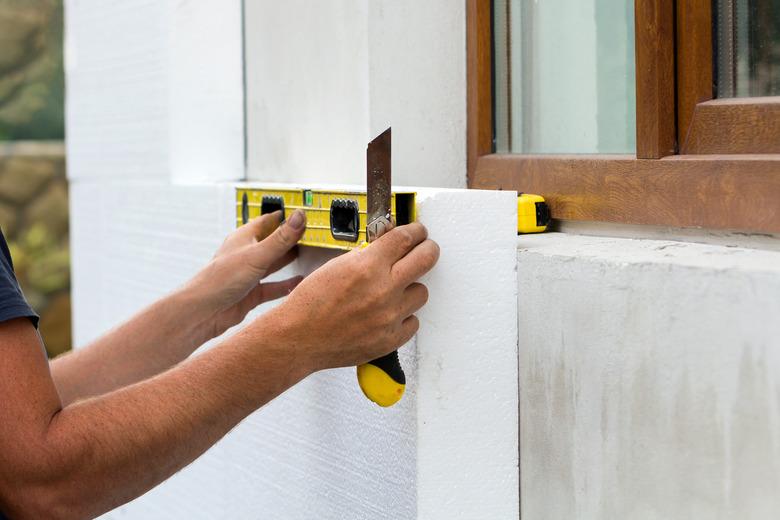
[467,439]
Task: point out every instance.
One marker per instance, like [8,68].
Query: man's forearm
[110,449]
[152,341]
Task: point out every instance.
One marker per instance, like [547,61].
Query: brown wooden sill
[735,192]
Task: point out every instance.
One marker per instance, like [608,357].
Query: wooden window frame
[700,162]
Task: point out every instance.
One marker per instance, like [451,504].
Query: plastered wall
[648,379]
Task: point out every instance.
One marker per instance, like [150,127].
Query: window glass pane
[748,48]
[564,76]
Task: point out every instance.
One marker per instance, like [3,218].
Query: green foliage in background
[32,83]
[34,220]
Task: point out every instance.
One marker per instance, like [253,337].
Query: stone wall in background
[32,79]
[34,219]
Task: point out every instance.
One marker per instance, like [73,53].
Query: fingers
[415,296]
[275,290]
[415,264]
[409,328]
[396,243]
[260,227]
[284,261]
[270,291]
[272,249]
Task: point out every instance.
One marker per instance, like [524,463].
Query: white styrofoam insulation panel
[649,375]
[322,86]
[448,450]
[155,89]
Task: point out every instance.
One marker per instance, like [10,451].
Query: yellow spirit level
[334,219]
[533,213]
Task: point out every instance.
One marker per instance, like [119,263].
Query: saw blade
[379,185]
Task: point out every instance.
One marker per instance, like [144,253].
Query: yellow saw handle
[382,380]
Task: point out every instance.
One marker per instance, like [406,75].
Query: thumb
[277,244]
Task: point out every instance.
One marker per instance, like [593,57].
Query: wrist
[281,339]
[192,317]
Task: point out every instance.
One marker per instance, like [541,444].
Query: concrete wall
[648,379]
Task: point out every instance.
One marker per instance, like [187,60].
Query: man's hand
[359,306]
[229,286]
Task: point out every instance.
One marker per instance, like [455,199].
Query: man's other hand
[229,286]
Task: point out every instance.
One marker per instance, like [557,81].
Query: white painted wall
[417,84]
[324,78]
[307,90]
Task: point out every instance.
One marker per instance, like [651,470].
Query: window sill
[734,192]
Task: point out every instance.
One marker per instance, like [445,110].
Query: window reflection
[747,48]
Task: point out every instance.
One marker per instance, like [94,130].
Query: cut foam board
[447,450]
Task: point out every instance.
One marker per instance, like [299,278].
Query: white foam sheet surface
[133,242]
[116,72]
[155,90]
[447,450]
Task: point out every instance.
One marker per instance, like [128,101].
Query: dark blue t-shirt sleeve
[12,301]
